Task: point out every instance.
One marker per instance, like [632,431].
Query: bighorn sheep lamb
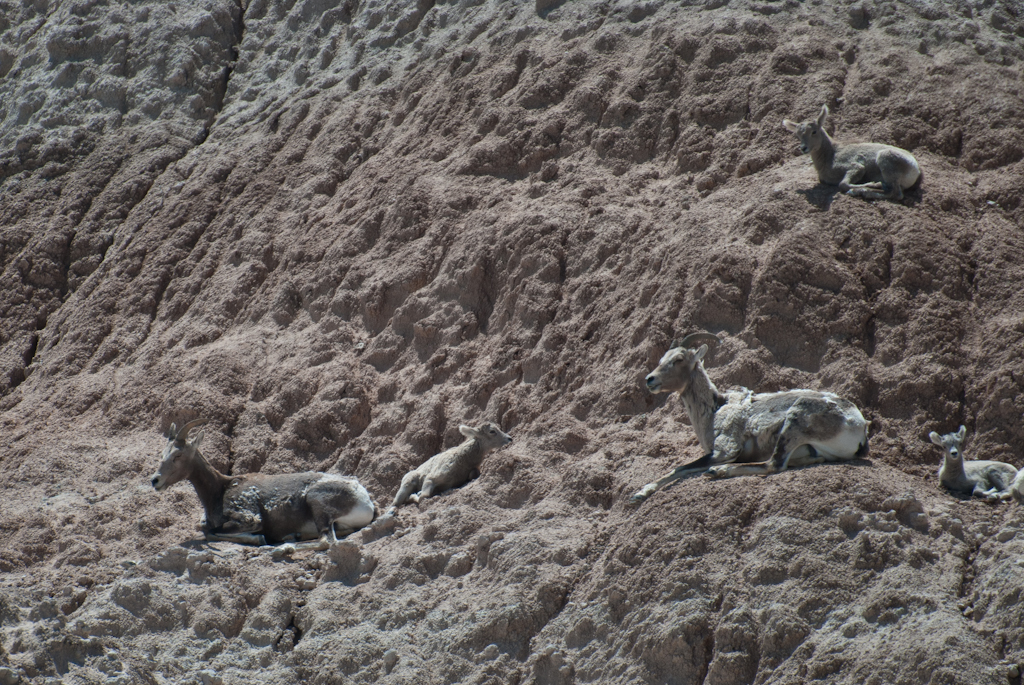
[991,480]
[871,170]
[452,467]
[257,509]
[1017,489]
[775,429]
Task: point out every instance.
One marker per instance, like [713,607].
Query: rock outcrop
[338,229]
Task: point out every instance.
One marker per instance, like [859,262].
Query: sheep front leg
[242,526]
[239,538]
[851,178]
[873,190]
[878,191]
[732,470]
[698,466]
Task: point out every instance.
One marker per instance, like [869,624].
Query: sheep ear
[791,126]
[821,117]
[936,438]
[962,433]
[172,432]
[197,439]
[469,431]
[699,354]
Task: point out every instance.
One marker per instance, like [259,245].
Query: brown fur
[259,508]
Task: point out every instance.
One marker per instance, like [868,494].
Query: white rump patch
[846,443]
[362,512]
[360,516]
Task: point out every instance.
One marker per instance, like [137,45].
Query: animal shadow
[822,195]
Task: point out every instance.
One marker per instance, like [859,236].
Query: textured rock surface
[340,229]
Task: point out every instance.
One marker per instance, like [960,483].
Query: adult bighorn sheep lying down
[775,430]
[871,170]
[450,468]
[257,509]
[991,480]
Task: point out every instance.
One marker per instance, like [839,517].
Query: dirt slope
[341,229]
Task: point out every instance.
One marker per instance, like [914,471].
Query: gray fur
[990,480]
[871,170]
[257,509]
[1017,489]
[773,430]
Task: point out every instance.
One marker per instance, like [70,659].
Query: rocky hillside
[340,228]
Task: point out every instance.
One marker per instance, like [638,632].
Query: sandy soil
[340,229]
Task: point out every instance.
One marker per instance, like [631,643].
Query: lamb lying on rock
[988,479]
[1017,489]
[450,468]
[872,170]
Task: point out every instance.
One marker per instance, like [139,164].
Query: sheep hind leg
[322,518]
[424,493]
[991,495]
[326,539]
[410,484]
[896,170]
[793,458]
[805,457]
[332,535]
[1002,488]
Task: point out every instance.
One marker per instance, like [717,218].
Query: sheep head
[950,442]
[810,132]
[488,434]
[179,455]
[675,370]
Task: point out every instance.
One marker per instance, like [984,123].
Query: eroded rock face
[340,229]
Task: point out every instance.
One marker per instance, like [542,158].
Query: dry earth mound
[339,229]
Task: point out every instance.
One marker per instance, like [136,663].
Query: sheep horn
[183,433]
[688,341]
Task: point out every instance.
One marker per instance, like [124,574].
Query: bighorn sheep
[452,467]
[1017,489]
[871,170]
[257,509]
[991,480]
[775,429]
